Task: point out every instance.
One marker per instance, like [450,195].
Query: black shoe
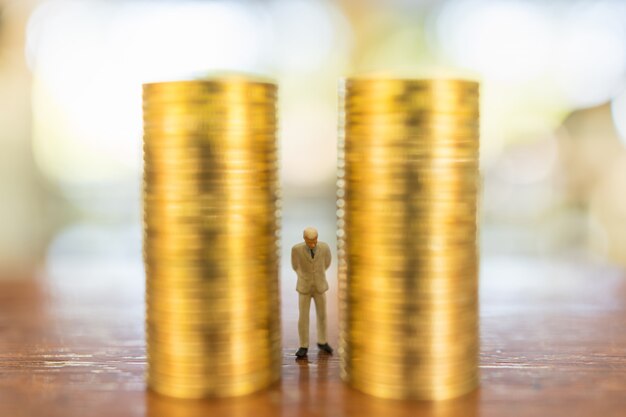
[301,353]
[326,348]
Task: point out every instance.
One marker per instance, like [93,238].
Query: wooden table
[553,344]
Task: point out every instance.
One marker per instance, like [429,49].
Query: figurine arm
[294,260]
[328,258]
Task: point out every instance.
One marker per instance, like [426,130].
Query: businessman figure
[310,259]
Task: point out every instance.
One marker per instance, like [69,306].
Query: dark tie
[312,253]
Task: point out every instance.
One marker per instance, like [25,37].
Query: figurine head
[310,237]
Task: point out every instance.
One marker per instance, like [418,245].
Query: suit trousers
[303,320]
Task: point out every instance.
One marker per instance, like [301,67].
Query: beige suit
[312,283]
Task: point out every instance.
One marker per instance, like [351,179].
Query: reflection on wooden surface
[553,343]
[309,388]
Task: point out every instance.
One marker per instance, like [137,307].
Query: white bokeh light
[507,40]
[591,52]
[308,147]
[576,50]
[307,35]
[89,59]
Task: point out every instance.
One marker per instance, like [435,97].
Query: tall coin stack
[407,197]
[211,237]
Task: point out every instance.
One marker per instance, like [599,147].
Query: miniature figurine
[310,260]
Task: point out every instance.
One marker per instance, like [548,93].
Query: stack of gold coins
[408,179]
[211,236]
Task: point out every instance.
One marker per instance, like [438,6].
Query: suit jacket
[311,271]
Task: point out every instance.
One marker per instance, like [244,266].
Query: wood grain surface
[553,344]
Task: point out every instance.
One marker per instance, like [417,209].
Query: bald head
[310,232]
[310,237]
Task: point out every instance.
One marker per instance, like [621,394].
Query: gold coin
[210,248]
[406,214]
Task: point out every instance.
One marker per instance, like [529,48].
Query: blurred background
[553,145]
